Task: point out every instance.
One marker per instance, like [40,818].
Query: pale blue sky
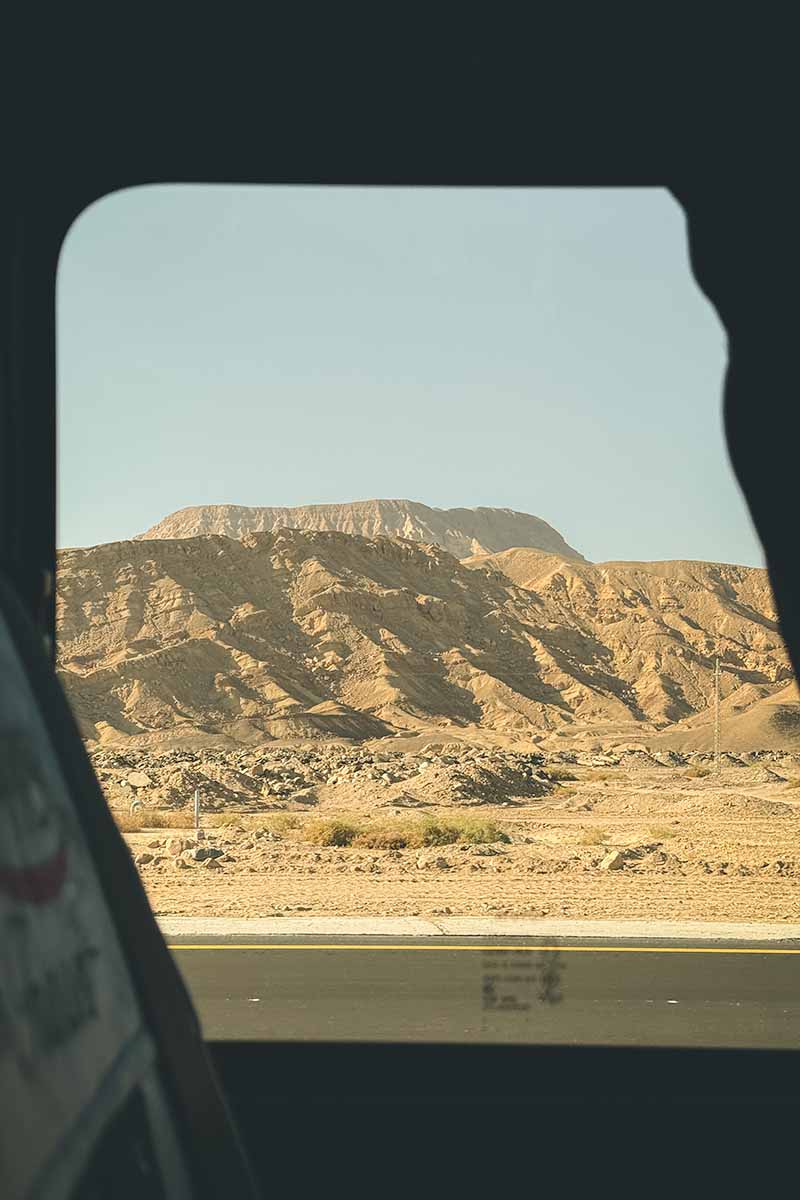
[543,350]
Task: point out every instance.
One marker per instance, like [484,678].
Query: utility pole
[197,812]
[716,716]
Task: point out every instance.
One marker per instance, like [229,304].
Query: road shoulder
[477,927]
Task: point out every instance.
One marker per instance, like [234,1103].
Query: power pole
[716,716]
[197,812]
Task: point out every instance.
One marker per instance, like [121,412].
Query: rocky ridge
[300,778]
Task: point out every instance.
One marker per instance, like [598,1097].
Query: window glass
[414,623]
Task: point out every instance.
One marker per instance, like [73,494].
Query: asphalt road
[495,989]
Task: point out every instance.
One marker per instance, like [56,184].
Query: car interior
[242,1119]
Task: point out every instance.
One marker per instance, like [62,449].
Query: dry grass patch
[280,822]
[411,833]
[245,822]
[384,838]
[560,774]
[698,772]
[465,829]
[331,832]
[153,818]
[342,830]
[594,837]
[660,833]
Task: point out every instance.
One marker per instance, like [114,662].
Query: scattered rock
[206,853]
[406,800]
[138,779]
[426,861]
[613,861]
[176,845]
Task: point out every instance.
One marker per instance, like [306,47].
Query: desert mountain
[461,531]
[298,633]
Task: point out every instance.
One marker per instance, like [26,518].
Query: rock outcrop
[461,531]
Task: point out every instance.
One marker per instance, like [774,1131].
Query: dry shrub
[383,839]
[560,774]
[154,818]
[278,822]
[698,772]
[332,832]
[660,833]
[594,837]
[177,818]
[232,821]
[471,831]
[246,822]
[128,822]
[413,833]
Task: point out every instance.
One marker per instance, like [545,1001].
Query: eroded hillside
[325,634]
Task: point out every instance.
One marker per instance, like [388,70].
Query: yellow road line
[494,949]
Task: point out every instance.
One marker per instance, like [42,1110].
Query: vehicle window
[414,623]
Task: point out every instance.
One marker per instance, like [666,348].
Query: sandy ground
[619,843]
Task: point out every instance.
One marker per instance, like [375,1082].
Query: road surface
[568,990]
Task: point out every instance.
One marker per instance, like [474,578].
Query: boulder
[138,779]
[206,853]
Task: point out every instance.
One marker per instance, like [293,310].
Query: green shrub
[469,830]
[483,832]
[437,833]
[404,833]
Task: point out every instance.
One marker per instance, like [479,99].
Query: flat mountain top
[460,531]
